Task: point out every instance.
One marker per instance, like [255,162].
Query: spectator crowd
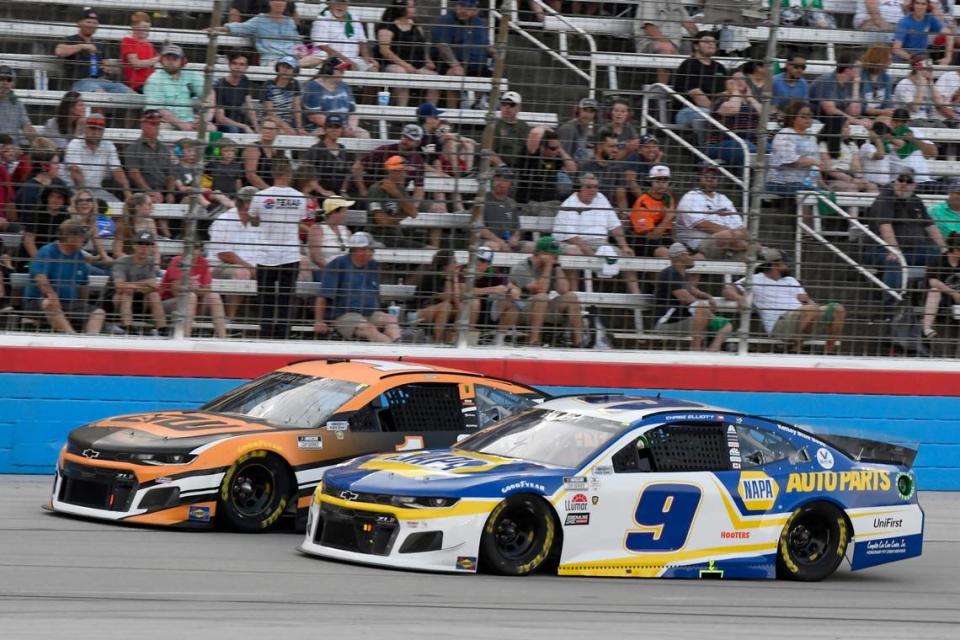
[317,239]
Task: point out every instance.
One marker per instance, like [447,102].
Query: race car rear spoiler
[864,450]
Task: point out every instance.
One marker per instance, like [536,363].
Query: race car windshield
[287,399]
[555,438]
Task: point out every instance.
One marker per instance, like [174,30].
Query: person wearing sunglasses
[13,115]
[790,84]
[84,209]
[900,218]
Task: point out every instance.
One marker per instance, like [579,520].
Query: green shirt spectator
[946,214]
[171,90]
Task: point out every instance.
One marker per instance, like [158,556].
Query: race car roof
[364,370]
[622,407]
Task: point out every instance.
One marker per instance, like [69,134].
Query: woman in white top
[918,94]
[328,239]
[69,121]
[795,152]
[840,158]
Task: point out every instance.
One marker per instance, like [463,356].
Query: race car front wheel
[518,536]
[254,492]
[812,543]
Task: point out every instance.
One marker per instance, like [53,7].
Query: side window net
[422,407]
[689,447]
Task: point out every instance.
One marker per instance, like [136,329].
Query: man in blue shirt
[832,93]
[461,45]
[59,277]
[913,33]
[790,84]
[350,296]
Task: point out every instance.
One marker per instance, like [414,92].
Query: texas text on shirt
[280,210]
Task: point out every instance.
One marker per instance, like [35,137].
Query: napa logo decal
[757,490]
[425,463]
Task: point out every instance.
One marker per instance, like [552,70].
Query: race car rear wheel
[518,536]
[254,493]
[812,543]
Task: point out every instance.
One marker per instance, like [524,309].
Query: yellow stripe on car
[461,508]
[651,565]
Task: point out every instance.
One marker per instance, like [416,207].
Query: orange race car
[257,452]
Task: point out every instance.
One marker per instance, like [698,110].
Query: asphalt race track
[69,578]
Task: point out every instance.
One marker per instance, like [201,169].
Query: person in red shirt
[199,291]
[137,54]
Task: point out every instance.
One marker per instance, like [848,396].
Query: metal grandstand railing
[803,200]
[652,93]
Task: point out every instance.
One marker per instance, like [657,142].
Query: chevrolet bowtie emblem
[91,453]
[349,495]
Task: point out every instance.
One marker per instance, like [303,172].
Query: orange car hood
[172,425]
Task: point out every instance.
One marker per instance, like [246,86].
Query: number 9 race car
[257,452]
[625,486]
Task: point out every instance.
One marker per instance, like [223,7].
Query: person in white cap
[786,309]
[511,135]
[349,299]
[171,89]
[680,307]
[651,218]
[328,234]
[495,299]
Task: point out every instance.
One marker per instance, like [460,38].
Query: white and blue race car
[600,485]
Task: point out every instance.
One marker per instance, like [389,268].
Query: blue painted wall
[37,411]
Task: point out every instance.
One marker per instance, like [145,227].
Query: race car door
[652,506]
[417,414]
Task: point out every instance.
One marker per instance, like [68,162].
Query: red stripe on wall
[534,372]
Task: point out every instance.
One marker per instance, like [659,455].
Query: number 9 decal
[664,515]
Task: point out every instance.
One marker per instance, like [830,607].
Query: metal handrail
[801,200]
[516,25]
[744,182]
[590,77]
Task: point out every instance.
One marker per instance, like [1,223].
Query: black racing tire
[254,493]
[813,543]
[518,537]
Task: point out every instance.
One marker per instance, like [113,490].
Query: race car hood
[166,431]
[445,472]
